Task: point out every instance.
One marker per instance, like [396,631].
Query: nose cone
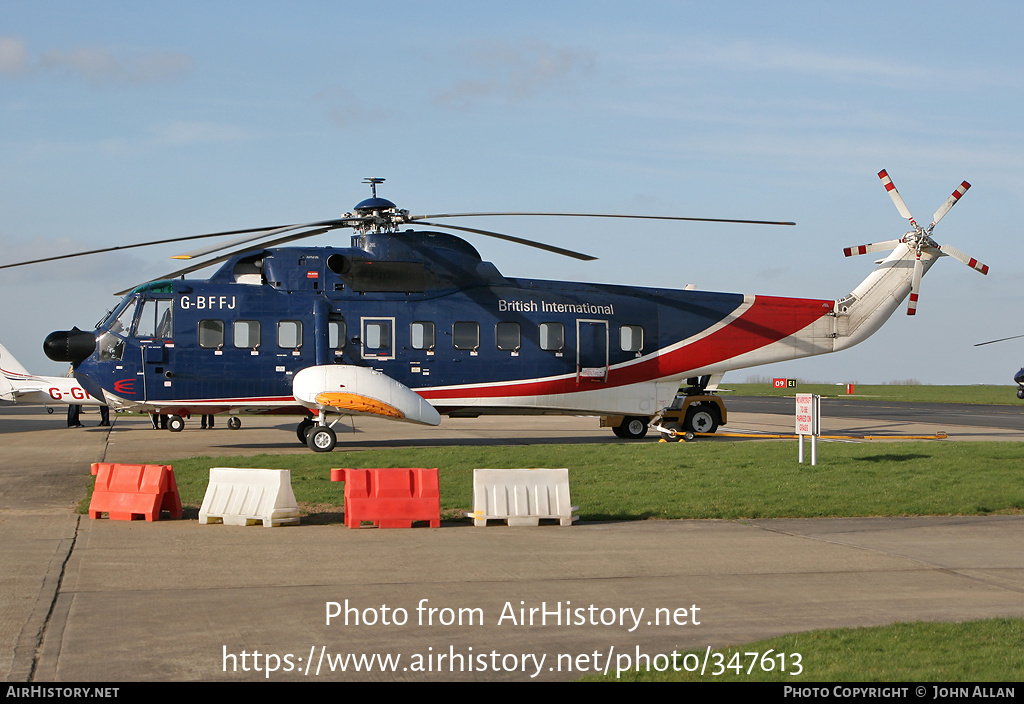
[73,345]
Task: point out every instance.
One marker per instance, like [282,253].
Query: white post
[817,430]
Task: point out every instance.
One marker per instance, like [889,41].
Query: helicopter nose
[73,345]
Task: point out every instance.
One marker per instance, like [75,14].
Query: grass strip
[990,650]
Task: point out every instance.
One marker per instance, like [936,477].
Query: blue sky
[126,122]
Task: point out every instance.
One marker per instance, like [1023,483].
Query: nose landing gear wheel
[321,439]
[234,422]
[302,432]
[672,432]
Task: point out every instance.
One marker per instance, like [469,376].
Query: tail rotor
[919,239]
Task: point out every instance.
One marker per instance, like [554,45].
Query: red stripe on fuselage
[769,319]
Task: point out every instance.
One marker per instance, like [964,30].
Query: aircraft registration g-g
[409,325]
[17,385]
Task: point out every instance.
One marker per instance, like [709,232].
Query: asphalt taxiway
[112,601]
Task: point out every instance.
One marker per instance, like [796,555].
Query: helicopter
[412,324]
[1018,378]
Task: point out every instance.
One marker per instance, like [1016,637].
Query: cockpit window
[123,322]
[112,315]
[155,320]
[111,347]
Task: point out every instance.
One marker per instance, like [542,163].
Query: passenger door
[591,350]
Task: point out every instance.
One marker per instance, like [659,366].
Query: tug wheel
[700,420]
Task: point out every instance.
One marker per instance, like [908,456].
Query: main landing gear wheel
[302,431]
[700,420]
[234,422]
[321,439]
[175,424]
[631,428]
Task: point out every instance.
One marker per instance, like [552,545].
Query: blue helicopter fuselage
[425,310]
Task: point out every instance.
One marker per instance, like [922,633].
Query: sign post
[808,422]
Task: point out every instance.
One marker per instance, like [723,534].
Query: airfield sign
[808,422]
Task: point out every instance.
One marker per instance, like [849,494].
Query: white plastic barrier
[521,496]
[242,497]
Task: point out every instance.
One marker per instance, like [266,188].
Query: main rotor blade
[950,202]
[224,257]
[599,215]
[1002,339]
[897,199]
[518,240]
[202,252]
[960,256]
[140,244]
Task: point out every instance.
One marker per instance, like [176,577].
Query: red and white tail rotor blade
[915,285]
[874,247]
[897,199]
[950,202]
[960,256]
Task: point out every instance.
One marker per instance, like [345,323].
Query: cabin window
[155,319]
[246,333]
[211,334]
[507,336]
[336,332]
[552,336]
[421,335]
[466,335]
[289,334]
[631,338]
[378,336]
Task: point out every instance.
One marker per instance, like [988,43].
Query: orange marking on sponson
[356,402]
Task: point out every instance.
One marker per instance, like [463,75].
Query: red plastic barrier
[392,497]
[124,491]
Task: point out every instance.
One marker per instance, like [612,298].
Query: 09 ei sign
[784,383]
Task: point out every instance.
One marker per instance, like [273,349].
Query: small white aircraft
[17,385]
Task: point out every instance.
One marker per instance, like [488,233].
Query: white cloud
[699,56]
[348,110]
[97,65]
[515,72]
[13,56]
[183,133]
